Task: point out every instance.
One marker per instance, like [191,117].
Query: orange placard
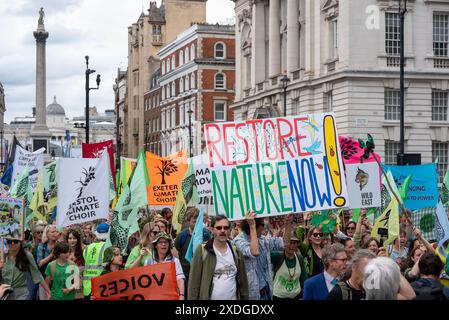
[154,282]
[166,176]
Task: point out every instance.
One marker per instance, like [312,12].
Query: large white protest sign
[203,184]
[364,185]
[83,190]
[276,166]
[35,161]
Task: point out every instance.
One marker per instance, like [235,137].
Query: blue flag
[197,237]
[7,176]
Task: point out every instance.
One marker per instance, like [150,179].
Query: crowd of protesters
[253,259]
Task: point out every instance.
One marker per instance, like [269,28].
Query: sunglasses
[39,232]
[350,228]
[222,228]
[316,235]
[9,241]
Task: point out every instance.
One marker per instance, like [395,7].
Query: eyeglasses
[222,228]
[9,241]
[350,228]
[316,235]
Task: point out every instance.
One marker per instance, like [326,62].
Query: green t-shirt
[134,255]
[60,280]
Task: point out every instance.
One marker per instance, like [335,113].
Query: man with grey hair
[352,289]
[334,259]
[382,280]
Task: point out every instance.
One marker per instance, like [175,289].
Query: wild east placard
[276,166]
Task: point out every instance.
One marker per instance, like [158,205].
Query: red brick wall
[209,46]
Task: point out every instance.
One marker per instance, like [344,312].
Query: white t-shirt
[178,266]
[224,287]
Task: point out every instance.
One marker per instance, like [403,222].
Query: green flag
[20,187]
[134,196]
[403,190]
[50,175]
[445,189]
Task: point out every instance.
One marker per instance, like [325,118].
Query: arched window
[187,86]
[192,80]
[173,89]
[220,81]
[173,62]
[181,57]
[167,88]
[220,50]
[163,94]
[181,85]
[168,65]
[187,55]
[163,67]
[192,51]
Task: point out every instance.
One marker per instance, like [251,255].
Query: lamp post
[285,80]
[190,111]
[88,73]
[2,150]
[402,11]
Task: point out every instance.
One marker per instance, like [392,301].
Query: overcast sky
[97,28]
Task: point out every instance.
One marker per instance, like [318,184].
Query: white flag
[83,190]
[35,161]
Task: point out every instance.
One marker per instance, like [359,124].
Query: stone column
[39,132]
[292,35]
[274,45]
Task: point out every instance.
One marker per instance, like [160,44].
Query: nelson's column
[40,134]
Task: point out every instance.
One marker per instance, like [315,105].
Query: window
[192,51]
[181,84]
[173,89]
[192,106]
[167,118]
[181,57]
[192,81]
[329,101]
[167,88]
[173,117]
[163,120]
[392,105]
[392,34]
[168,65]
[181,114]
[220,81]
[440,153]
[391,151]
[219,50]
[163,67]
[156,29]
[187,83]
[163,93]
[187,55]
[220,111]
[439,105]
[440,34]
[173,62]
[334,38]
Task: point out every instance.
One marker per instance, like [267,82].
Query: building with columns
[145,38]
[342,56]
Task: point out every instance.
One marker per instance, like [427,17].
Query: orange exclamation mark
[330,142]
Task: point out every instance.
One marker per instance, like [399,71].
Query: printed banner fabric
[276,166]
[364,185]
[166,175]
[12,217]
[35,160]
[153,282]
[203,184]
[351,151]
[95,150]
[83,190]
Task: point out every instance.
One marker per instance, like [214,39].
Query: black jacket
[430,289]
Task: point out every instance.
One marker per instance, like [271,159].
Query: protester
[218,270]
[45,254]
[62,273]
[428,287]
[162,224]
[350,229]
[349,247]
[183,239]
[256,250]
[74,239]
[142,251]
[412,271]
[352,289]
[15,268]
[93,257]
[382,280]
[319,286]
[167,214]
[162,245]
[37,233]
[311,250]
[372,245]
[289,270]
[398,250]
[112,260]
[89,236]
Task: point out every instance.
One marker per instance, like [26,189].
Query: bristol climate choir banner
[166,174]
[423,187]
[83,190]
[12,217]
[153,282]
[276,166]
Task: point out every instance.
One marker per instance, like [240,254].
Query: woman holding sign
[162,245]
[142,252]
[14,270]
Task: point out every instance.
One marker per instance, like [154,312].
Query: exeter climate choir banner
[35,161]
[166,174]
[83,190]
[153,282]
[423,188]
[276,166]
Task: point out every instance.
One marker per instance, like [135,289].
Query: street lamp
[190,111]
[88,73]
[402,12]
[2,150]
[285,80]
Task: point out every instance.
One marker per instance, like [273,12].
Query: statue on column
[41,16]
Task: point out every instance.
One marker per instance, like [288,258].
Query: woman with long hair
[74,239]
[14,271]
[44,254]
[311,251]
[142,251]
[162,245]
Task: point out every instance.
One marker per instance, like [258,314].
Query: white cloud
[98,28]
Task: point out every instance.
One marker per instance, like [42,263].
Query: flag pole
[3,250]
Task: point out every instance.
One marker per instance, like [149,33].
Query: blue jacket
[315,288]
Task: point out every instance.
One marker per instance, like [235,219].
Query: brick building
[197,76]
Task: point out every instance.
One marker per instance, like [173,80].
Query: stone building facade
[343,56]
